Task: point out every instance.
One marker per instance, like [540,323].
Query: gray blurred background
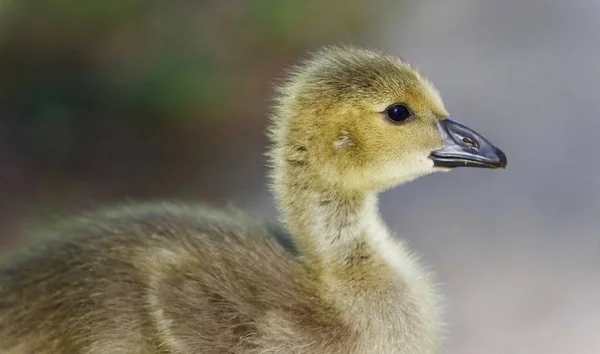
[106,101]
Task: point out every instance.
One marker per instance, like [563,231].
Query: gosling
[169,278]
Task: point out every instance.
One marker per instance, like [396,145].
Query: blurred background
[114,100]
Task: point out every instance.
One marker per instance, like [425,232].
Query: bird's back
[165,279]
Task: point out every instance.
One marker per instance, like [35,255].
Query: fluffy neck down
[340,233]
[367,274]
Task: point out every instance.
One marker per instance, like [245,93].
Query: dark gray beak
[464,147]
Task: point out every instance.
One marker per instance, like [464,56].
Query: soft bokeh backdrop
[105,101]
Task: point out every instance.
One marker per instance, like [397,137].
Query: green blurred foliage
[76,69]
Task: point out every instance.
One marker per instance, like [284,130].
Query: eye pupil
[398,113]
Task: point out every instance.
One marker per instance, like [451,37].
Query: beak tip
[502,158]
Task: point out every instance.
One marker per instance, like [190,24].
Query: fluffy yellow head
[331,120]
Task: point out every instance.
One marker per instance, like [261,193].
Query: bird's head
[362,120]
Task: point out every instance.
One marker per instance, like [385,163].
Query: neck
[335,230]
[359,267]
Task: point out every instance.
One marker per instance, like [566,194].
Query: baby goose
[167,278]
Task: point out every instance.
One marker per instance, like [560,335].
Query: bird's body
[175,279]
[169,278]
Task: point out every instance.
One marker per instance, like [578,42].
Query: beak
[464,147]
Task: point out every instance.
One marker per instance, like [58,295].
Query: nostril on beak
[469,142]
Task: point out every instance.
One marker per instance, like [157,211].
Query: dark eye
[398,113]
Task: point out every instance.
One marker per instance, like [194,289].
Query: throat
[336,232]
[370,277]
